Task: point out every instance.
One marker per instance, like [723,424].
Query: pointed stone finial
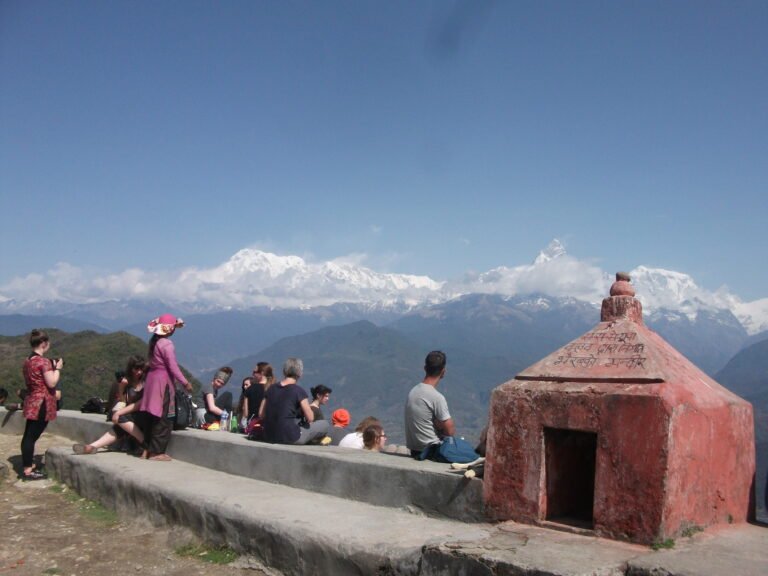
[622,304]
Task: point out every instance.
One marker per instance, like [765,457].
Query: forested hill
[90,362]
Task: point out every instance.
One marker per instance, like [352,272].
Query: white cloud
[553,273]
[563,277]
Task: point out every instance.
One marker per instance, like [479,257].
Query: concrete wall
[376,478]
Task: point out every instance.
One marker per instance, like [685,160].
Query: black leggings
[32,432]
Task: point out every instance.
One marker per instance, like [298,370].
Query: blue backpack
[450,450]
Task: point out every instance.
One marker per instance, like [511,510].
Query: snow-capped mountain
[661,290]
[249,278]
[555,249]
[252,278]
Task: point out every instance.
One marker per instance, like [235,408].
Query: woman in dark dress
[129,394]
[285,412]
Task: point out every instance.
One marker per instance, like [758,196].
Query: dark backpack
[255,429]
[93,406]
[185,411]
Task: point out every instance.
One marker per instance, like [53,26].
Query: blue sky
[429,138]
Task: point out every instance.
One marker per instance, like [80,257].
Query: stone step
[304,533]
[292,530]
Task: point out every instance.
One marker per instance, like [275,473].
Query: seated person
[262,378]
[285,412]
[339,422]
[374,438]
[427,419]
[214,401]
[355,439]
[124,407]
[320,396]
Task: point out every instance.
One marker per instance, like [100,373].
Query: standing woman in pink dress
[41,376]
[159,388]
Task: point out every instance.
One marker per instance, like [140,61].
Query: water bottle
[224,422]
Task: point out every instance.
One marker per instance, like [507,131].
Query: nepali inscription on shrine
[604,348]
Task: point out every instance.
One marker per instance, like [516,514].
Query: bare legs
[110,438]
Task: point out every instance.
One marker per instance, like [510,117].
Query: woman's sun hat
[164,325]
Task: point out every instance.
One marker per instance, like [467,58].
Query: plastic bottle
[224,422]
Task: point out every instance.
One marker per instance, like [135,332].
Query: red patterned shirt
[37,392]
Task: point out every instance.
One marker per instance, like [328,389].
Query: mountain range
[253,279]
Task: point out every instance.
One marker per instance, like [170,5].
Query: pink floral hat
[164,325]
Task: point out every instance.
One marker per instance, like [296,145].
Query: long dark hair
[135,361]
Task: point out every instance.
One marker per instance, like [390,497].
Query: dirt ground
[48,529]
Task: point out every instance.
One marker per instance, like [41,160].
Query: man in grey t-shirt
[427,418]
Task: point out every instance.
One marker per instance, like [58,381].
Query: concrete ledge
[375,478]
[287,529]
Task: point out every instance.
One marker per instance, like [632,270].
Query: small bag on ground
[93,405]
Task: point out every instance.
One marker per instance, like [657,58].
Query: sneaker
[33,475]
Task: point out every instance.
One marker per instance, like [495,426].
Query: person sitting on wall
[285,411]
[339,421]
[429,428]
[262,378]
[320,396]
[123,409]
[427,418]
[374,438]
[216,402]
[355,439]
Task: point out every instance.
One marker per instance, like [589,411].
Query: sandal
[33,475]
[161,458]
[83,449]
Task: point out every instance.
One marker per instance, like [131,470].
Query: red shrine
[619,433]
